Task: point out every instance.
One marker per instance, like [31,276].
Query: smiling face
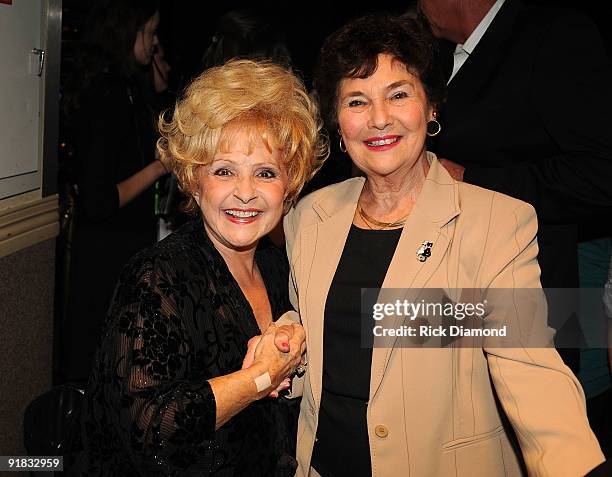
[146,39]
[383,118]
[241,192]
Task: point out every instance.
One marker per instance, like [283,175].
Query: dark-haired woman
[112,130]
[408,225]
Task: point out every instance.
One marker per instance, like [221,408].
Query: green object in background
[593,263]
[157,198]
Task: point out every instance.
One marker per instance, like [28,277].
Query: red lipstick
[242,216]
[382,143]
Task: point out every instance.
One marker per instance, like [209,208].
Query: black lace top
[179,318]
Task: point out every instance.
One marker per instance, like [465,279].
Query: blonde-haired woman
[168,395]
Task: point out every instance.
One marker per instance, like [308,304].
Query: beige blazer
[432,412]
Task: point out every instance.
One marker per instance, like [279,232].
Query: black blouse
[342,446]
[179,318]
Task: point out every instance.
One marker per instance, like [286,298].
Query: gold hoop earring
[433,127]
[342,146]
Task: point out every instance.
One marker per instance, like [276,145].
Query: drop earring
[433,126]
[341,144]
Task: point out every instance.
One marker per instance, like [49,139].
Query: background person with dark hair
[113,134]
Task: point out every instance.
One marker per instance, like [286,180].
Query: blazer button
[381,431]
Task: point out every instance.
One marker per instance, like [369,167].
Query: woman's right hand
[279,352]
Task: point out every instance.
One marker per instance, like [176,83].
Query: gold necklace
[385,225]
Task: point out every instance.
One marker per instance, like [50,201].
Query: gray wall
[26,337]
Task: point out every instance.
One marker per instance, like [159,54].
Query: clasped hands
[278,351]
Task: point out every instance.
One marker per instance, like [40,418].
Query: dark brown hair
[352,52]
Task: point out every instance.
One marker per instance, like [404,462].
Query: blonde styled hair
[260,96]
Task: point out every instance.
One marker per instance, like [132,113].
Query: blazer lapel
[322,247]
[436,206]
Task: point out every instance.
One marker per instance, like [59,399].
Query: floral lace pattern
[179,318]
